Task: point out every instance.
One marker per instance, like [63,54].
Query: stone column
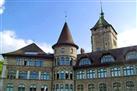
[17,74]
[96,73]
[4,69]
[108,72]
[39,75]
[121,71]
[28,75]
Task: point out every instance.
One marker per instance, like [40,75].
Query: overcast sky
[40,21]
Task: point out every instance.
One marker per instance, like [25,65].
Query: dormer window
[131,55]
[31,53]
[107,58]
[85,61]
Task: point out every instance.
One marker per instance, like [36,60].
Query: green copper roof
[101,22]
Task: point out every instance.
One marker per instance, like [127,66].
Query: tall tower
[104,36]
[65,54]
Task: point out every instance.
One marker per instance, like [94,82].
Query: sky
[23,22]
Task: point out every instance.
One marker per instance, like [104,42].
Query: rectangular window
[45,76]
[115,72]
[62,75]
[32,89]
[11,74]
[129,70]
[19,61]
[80,75]
[33,75]
[102,73]
[21,88]
[90,74]
[38,63]
[9,89]
[31,63]
[22,75]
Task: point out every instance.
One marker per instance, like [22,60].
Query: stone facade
[104,69]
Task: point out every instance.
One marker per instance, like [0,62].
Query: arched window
[66,75]
[128,70]
[71,75]
[85,61]
[58,75]
[80,87]
[130,86]
[116,86]
[91,87]
[61,87]
[62,75]
[102,87]
[131,55]
[44,88]
[115,72]
[107,58]
[33,87]
[21,87]
[80,75]
[102,73]
[90,74]
[9,87]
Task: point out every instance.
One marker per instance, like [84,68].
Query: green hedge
[1,63]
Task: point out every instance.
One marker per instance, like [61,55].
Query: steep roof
[65,37]
[95,57]
[30,50]
[102,23]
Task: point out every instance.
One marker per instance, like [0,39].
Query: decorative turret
[104,36]
[65,55]
[65,44]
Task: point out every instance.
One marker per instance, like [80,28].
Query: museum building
[105,68]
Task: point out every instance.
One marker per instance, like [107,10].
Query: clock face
[101,30]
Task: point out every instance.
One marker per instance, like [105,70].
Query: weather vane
[65,16]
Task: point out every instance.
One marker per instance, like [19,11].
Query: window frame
[107,58]
[84,61]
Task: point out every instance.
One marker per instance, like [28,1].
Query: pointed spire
[102,13]
[65,37]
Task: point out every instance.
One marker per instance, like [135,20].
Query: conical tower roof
[65,37]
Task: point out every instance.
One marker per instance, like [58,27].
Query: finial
[65,16]
[102,13]
[82,51]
